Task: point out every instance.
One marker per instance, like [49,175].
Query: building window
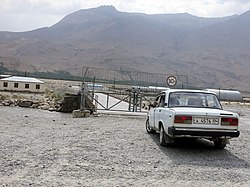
[38,87]
[15,85]
[5,84]
[27,86]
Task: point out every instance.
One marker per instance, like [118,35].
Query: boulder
[72,102]
[25,103]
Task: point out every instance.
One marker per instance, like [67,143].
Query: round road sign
[171,80]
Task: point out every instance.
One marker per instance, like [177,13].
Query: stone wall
[67,105]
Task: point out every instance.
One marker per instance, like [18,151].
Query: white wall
[21,87]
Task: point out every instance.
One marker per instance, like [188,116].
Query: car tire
[148,128]
[219,144]
[163,137]
[165,140]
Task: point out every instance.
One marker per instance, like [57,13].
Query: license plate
[212,121]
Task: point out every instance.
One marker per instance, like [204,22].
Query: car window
[173,101]
[193,99]
[157,101]
[162,101]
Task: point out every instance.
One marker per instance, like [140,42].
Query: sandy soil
[42,148]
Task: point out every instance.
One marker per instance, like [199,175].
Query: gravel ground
[42,148]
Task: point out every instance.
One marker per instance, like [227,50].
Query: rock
[52,109]
[72,102]
[6,102]
[25,103]
[45,107]
[81,113]
[35,106]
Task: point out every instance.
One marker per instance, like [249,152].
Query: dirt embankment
[42,148]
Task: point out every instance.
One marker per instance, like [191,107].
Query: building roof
[5,76]
[22,79]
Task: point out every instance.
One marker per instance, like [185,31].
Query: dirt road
[42,148]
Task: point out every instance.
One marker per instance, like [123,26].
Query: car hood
[203,111]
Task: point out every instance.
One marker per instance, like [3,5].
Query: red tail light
[229,121]
[183,119]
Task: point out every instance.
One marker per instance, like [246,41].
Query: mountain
[212,52]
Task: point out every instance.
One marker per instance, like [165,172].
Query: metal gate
[132,100]
[122,90]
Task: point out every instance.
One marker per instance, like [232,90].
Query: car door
[159,110]
[152,111]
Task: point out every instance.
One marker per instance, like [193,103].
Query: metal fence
[133,78]
[130,89]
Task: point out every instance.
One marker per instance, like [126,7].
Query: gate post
[134,100]
[107,104]
[129,104]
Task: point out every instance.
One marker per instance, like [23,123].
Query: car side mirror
[152,105]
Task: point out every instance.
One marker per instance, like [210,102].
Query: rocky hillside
[212,52]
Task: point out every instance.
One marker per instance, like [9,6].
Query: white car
[191,113]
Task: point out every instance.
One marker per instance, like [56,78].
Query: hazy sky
[23,15]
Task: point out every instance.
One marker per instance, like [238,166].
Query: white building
[24,84]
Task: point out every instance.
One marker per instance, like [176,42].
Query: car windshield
[193,99]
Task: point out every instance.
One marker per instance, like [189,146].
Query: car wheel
[165,140]
[148,128]
[220,144]
[163,137]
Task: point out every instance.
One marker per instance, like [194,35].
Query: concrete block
[81,113]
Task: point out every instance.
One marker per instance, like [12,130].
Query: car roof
[186,90]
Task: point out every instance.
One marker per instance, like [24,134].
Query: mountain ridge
[213,52]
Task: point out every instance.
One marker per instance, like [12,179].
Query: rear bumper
[173,131]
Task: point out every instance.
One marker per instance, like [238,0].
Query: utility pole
[83,89]
[82,112]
